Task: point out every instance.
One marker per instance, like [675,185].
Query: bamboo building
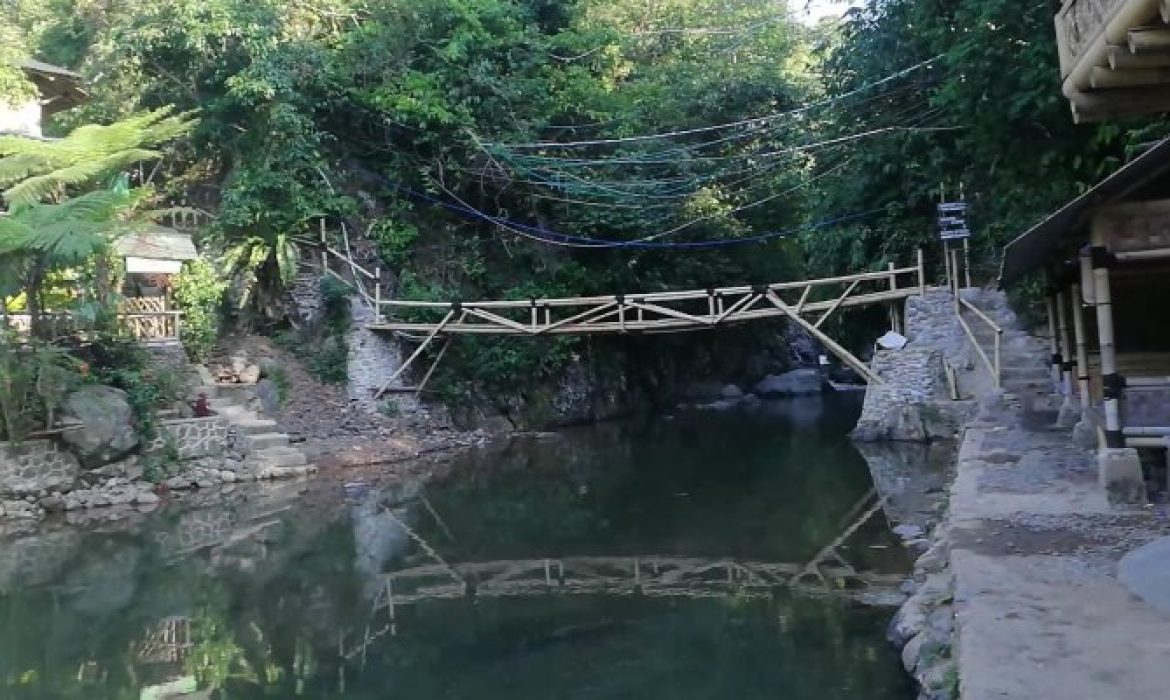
[1105,261]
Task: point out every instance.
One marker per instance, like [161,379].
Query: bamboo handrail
[994,367]
[682,295]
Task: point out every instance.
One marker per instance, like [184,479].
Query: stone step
[264,441]
[281,457]
[255,426]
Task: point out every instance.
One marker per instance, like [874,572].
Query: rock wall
[372,359]
[305,294]
[35,466]
[913,402]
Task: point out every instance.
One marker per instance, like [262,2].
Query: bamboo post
[967,260]
[947,265]
[324,250]
[1066,350]
[1110,380]
[1082,346]
[535,316]
[895,325]
[1053,342]
[921,273]
[998,358]
[378,292]
[621,309]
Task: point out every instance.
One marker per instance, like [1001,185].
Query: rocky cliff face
[614,377]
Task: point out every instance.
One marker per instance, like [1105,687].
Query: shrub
[34,379]
[198,293]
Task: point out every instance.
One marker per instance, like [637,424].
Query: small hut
[1106,259]
[152,256]
[58,89]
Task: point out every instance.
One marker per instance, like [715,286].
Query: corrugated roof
[157,243]
[1032,249]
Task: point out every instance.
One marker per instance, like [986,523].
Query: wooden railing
[145,326]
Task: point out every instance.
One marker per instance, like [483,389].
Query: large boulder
[106,425]
[798,382]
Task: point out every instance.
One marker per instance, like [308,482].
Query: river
[627,560]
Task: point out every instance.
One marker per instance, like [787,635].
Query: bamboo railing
[994,366]
[144,326]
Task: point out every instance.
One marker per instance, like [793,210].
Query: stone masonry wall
[373,357]
[194,437]
[34,466]
[913,403]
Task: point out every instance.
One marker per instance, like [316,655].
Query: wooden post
[921,273]
[1066,350]
[1110,380]
[621,306]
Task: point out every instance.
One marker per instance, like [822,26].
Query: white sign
[147,265]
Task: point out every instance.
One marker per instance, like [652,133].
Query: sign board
[952,221]
[150,265]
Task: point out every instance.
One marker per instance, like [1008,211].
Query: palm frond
[40,168]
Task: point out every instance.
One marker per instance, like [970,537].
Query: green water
[281,592]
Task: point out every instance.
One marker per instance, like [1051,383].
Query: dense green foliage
[198,293]
[452,133]
[1014,148]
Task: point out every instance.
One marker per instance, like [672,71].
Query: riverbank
[1019,595]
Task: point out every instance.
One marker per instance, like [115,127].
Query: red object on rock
[202,407]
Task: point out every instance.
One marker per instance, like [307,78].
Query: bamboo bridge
[807,303]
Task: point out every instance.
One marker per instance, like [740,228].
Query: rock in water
[798,382]
[107,425]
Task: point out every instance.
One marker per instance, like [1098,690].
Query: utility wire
[744,122]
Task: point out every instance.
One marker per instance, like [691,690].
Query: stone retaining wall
[372,357]
[194,437]
[913,402]
[34,466]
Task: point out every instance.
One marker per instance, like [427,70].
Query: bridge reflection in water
[658,576]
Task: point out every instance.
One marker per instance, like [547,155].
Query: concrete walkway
[1039,610]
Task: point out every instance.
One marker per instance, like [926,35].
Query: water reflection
[641,560]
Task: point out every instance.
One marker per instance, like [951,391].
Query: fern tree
[61,210]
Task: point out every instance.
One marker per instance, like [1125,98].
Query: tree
[60,215]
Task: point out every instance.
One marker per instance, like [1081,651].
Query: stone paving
[1034,546]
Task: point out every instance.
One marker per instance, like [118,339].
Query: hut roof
[1035,247]
[157,243]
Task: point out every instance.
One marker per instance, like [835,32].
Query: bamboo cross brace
[803,298]
[836,304]
[812,568]
[671,312]
[748,299]
[846,356]
[438,358]
[497,319]
[415,355]
[578,317]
